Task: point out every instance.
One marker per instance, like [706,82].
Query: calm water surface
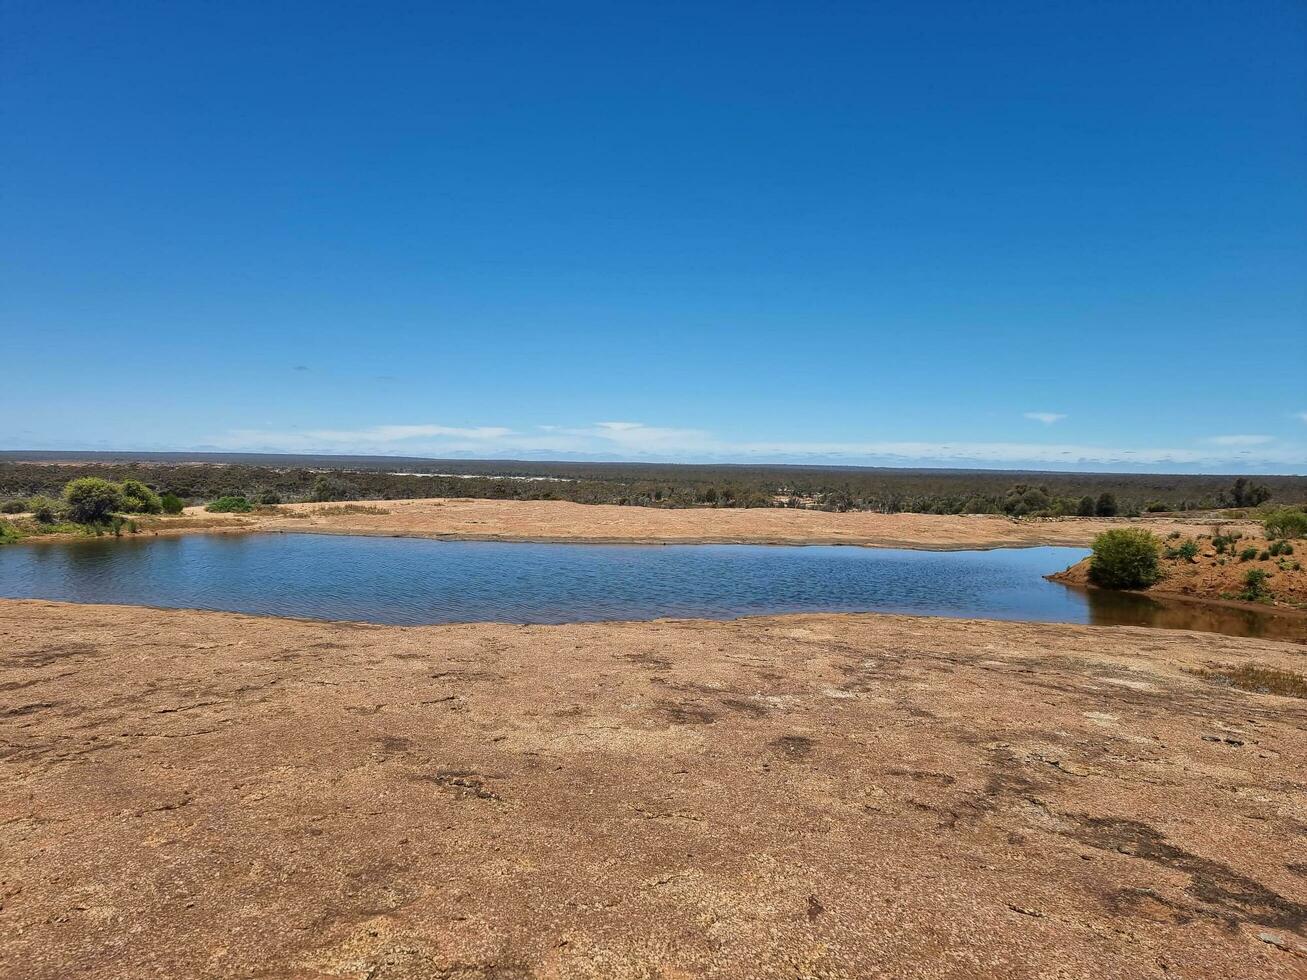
[412,581]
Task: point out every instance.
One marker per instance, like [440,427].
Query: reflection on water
[414,581]
[1127,609]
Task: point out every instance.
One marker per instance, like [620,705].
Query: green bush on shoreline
[91,500]
[1125,558]
[87,505]
[140,499]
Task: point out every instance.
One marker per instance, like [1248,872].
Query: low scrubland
[271,480]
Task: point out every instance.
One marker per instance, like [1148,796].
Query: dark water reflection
[414,581]
[1126,609]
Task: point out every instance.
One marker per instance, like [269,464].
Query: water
[412,581]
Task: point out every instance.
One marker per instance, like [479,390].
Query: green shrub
[1155,507]
[1254,585]
[1185,549]
[1248,554]
[12,507]
[1286,523]
[1105,506]
[230,505]
[1085,508]
[1124,558]
[269,498]
[8,533]
[45,510]
[1280,548]
[171,503]
[140,499]
[92,500]
[1222,543]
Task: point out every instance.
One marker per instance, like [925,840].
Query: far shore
[550,521]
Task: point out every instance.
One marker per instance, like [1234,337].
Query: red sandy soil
[1210,575]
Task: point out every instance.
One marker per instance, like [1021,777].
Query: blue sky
[1070,235]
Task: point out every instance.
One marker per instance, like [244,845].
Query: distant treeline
[283,479]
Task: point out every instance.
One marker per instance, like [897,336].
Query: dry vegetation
[1263,680]
[276,479]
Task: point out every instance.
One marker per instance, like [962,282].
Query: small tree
[1124,558]
[171,503]
[140,499]
[1106,505]
[1086,507]
[1243,495]
[92,500]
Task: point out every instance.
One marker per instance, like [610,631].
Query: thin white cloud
[346,439]
[635,440]
[1302,416]
[1048,418]
[1240,440]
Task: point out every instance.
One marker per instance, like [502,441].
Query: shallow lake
[411,581]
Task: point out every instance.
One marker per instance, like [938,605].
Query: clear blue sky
[1066,234]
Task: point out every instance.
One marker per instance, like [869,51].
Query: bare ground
[189,794]
[555,520]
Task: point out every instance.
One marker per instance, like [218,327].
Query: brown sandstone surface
[190,794]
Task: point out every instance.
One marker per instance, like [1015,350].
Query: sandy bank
[203,794]
[549,520]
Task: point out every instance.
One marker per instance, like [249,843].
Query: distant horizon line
[200,455]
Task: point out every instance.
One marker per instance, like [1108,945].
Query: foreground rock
[190,794]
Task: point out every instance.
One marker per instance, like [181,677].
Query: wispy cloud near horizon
[629,440]
[1242,440]
[1048,418]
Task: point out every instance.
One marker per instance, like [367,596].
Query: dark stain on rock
[651,660]
[47,655]
[684,713]
[33,708]
[1227,894]
[745,707]
[794,746]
